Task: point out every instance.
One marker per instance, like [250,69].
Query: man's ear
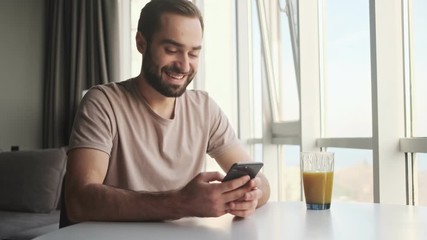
[141,43]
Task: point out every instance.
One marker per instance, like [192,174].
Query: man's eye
[171,51]
[194,55]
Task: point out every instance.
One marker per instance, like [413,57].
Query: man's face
[171,58]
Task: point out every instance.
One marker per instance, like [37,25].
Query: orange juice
[318,188]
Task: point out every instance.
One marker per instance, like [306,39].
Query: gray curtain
[82,50]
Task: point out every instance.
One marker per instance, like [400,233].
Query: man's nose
[183,63]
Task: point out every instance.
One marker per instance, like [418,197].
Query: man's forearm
[97,202]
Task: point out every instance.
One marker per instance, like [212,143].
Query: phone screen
[242,169]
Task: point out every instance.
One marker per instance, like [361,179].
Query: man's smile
[174,75]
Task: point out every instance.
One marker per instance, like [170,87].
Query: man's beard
[156,81]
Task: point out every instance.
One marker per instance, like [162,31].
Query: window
[353,175]
[347,69]
[290,188]
[347,79]
[136,59]
[419,68]
[418,80]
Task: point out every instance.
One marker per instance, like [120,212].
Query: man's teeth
[176,75]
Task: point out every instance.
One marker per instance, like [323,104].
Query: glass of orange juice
[317,170]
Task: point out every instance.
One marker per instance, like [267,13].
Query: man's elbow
[76,211]
[265,192]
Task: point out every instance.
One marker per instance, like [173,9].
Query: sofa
[30,190]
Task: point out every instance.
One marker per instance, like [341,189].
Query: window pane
[136,58]
[419,68]
[347,82]
[353,175]
[288,90]
[351,166]
[219,77]
[257,73]
[289,172]
[422,178]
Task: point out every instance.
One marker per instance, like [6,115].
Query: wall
[21,73]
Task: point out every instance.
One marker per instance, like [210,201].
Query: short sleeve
[221,134]
[94,124]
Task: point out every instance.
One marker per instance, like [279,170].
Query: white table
[276,220]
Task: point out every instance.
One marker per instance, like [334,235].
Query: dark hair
[149,19]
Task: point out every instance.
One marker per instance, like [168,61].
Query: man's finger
[234,184]
[211,176]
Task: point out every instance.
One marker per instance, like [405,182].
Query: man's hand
[247,204]
[206,196]
[257,191]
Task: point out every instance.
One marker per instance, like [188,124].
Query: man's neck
[163,106]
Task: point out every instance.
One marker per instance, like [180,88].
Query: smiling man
[138,147]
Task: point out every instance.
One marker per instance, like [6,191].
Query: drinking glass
[317,175]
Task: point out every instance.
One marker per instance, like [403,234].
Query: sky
[347,43]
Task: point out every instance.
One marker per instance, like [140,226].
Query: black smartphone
[241,169]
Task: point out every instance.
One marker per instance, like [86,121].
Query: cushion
[30,181]
[22,225]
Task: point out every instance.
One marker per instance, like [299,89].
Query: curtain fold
[82,51]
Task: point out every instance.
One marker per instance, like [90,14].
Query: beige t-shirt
[148,152]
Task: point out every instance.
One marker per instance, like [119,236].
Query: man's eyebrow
[177,44]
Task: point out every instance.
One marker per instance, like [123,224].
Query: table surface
[275,220]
